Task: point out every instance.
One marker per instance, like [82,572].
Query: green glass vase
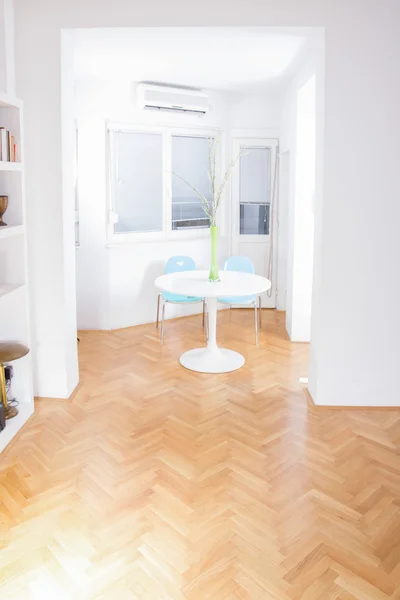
[214,252]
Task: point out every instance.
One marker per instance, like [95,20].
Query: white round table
[196,283]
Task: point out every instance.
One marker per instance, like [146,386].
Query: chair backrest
[239,263]
[179,263]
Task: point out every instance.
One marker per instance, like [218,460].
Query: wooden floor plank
[157,483]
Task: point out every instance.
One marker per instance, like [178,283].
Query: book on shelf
[4,144]
[8,146]
[12,148]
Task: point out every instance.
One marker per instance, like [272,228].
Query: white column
[300,271]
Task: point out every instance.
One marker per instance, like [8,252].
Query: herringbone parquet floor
[156,483]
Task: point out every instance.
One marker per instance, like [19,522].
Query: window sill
[173,237]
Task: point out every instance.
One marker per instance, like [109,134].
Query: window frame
[167,132]
[112,156]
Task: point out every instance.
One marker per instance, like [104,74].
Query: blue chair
[174,265]
[244,265]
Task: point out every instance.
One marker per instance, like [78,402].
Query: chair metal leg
[204,311]
[162,321]
[256,320]
[158,310]
[259,314]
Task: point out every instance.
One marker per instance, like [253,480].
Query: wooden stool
[9,351]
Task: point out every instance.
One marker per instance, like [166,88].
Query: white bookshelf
[11,230]
[14,289]
[10,290]
[10,166]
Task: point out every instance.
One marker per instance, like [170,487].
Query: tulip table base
[212,359]
[216,360]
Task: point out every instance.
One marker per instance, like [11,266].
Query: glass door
[253,210]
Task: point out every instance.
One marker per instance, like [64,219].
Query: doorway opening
[266,106]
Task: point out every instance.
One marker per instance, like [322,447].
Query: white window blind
[255,190]
[138,182]
[190,160]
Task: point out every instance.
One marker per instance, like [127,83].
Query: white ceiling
[213,58]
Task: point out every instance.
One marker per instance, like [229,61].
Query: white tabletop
[196,283]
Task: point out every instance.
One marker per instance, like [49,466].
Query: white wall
[300,328]
[68,332]
[283,228]
[257,109]
[301,131]
[354,355]
[115,285]
[124,273]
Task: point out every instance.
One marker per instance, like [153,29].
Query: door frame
[267,140]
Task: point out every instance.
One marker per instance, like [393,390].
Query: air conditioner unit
[158,97]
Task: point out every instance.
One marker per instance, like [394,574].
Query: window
[138,182]
[255,190]
[152,175]
[190,160]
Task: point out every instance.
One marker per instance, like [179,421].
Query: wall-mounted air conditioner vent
[158,97]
